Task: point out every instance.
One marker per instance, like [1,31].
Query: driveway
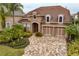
[46,46]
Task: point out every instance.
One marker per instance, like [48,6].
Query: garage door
[53,31]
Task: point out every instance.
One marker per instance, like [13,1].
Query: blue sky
[73,7]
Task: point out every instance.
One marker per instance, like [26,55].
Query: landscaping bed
[73,48]
[14,39]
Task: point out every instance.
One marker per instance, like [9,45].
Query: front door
[35,27]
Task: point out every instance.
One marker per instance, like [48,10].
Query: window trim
[59,18]
[49,18]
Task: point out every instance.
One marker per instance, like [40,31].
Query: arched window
[34,16]
[60,18]
[48,18]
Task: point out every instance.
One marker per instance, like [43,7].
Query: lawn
[8,51]
[73,48]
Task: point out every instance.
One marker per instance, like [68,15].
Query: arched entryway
[35,27]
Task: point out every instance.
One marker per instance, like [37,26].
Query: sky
[73,7]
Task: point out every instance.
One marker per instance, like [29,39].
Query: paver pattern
[46,46]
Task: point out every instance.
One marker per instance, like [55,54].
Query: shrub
[73,48]
[38,34]
[10,34]
[20,43]
[14,36]
[27,34]
[5,36]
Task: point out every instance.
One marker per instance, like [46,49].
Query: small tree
[12,7]
[72,31]
[3,13]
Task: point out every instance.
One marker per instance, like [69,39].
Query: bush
[27,34]
[73,48]
[5,36]
[20,43]
[10,34]
[15,36]
[38,34]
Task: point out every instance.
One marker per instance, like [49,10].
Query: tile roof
[48,10]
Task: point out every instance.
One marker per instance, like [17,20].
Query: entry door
[35,27]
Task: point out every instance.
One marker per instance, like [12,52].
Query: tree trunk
[3,22]
[13,18]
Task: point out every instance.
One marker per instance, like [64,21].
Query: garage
[53,31]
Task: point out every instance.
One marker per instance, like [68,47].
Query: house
[9,19]
[75,16]
[50,20]
[17,16]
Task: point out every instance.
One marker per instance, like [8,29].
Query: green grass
[73,48]
[8,51]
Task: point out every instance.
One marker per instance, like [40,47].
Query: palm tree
[14,7]
[3,13]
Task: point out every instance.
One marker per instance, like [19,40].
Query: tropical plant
[10,34]
[14,36]
[72,31]
[3,13]
[12,7]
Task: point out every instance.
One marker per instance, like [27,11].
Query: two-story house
[50,20]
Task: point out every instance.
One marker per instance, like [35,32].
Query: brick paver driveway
[46,46]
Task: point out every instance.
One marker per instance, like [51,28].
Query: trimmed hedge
[38,34]
[19,43]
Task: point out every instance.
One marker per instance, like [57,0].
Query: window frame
[46,18]
[61,15]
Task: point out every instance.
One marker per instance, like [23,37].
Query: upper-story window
[60,18]
[34,16]
[48,18]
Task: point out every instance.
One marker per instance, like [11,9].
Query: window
[27,26]
[34,16]
[47,17]
[8,24]
[60,18]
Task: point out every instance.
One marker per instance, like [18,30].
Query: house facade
[9,19]
[75,16]
[50,20]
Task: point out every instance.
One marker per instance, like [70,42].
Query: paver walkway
[46,46]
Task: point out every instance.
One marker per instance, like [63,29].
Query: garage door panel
[53,31]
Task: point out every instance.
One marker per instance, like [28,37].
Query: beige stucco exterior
[9,19]
[53,27]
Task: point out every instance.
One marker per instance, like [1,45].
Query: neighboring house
[17,16]
[50,20]
[9,19]
[75,16]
